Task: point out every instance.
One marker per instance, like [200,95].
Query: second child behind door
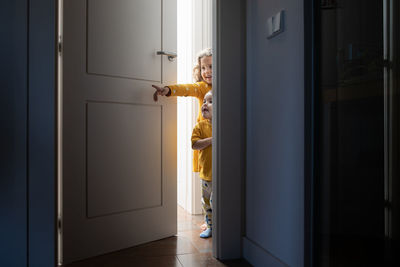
[202,141]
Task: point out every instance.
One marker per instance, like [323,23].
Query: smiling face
[206,108]
[206,69]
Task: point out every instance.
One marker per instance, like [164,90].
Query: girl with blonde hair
[202,73]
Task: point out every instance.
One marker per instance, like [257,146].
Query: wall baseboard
[258,256]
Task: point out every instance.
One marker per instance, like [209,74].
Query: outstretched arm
[198,89]
[202,143]
[164,91]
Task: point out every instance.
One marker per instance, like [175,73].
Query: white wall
[274,233]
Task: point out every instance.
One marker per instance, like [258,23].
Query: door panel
[119,147]
[123,36]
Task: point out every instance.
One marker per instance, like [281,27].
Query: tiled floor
[186,249]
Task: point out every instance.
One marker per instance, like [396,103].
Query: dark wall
[275,136]
[13,133]
[42,133]
[27,117]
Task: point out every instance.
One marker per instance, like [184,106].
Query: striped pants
[206,201]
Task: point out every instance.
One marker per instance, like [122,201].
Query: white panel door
[119,147]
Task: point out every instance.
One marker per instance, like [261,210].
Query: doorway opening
[105,88]
[194,33]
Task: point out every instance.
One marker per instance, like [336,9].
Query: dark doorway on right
[357,135]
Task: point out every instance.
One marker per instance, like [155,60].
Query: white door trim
[229,67]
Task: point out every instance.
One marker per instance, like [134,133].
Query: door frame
[229,128]
[229,124]
[310,81]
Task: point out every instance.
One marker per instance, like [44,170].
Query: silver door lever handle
[171,55]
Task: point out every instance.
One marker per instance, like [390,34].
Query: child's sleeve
[196,134]
[191,89]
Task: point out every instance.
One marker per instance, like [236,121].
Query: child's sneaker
[206,233]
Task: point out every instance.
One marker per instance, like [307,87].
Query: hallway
[186,249]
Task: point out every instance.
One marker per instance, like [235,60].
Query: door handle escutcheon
[171,55]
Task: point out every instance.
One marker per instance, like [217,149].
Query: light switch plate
[275,24]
